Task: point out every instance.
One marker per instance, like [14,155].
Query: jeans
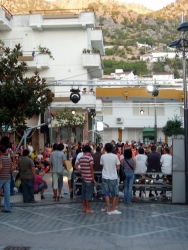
[6,186]
[11,183]
[28,190]
[128,186]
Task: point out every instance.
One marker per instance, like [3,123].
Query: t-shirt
[57,158]
[140,160]
[153,162]
[38,179]
[78,158]
[85,162]
[6,166]
[166,161]
[109,162]
[25,165]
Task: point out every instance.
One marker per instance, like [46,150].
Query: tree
[66,119]
[173,127]
[20,97]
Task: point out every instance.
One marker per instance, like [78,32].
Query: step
[19,198]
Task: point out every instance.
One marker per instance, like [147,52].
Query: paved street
[62,225]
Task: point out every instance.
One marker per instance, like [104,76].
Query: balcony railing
[97,40]
[38,61]
[5,19]
[62,19]
[93,63]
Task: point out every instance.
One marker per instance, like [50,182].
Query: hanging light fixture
[75,96]
[92,113]
[141,111]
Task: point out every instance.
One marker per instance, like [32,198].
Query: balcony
[38,62]
[97,40]
[61,19]
[93,63]
[5,19]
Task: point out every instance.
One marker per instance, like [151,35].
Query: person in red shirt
[88,179]
[40,185]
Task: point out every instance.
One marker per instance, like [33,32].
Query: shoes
[151,195]
[34,201]
[42,197]
[71,195]
[104,209]
[116,212]
[5,211]
[109,213]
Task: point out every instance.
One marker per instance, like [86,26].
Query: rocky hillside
[123,24]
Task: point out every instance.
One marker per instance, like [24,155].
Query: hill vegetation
[123,25]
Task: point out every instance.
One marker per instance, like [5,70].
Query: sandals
[90,212]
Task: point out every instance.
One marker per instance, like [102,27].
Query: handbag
[122,174]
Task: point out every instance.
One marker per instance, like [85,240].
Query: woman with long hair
[129,166]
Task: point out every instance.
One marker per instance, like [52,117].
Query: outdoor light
[153,90]
[183,27]
[92,113]
[150,88]
[73,112]
[141,111]
[75,96]
[175,43]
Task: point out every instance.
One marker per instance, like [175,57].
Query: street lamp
[154,91]
[181,46]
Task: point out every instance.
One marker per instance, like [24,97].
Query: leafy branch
[44,50]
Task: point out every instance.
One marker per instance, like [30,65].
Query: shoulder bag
[129,164]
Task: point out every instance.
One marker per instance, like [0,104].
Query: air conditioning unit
[119,120]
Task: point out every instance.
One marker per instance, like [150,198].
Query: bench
[150,181]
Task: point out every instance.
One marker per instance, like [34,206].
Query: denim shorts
[110,187]
[87,190]
[41,186]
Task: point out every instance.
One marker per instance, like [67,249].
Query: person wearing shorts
[39,184]
[88,178]
[57,163]
[111,164]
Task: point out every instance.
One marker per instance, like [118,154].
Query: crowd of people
[134,158]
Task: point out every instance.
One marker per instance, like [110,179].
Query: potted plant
[84,51]
[44,50]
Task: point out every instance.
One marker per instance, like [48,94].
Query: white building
[66,35]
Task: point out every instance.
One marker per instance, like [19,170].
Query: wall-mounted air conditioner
[119,120]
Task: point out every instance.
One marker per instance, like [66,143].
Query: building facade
[75,46]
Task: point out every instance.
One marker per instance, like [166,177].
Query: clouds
[153,5]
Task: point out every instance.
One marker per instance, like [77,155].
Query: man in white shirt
[166,162]
[140,160]
[111,164]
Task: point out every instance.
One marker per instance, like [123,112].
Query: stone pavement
[62,225]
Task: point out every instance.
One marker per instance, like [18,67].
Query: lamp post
[154,91]
[181,46]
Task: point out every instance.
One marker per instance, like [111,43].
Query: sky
[150,4]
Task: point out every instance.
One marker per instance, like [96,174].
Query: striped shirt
[85,162]
[6,163]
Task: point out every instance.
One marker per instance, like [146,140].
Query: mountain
[123,24]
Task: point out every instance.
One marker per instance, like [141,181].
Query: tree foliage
[138,67]
[20,97]
[173,127]
[66,119]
